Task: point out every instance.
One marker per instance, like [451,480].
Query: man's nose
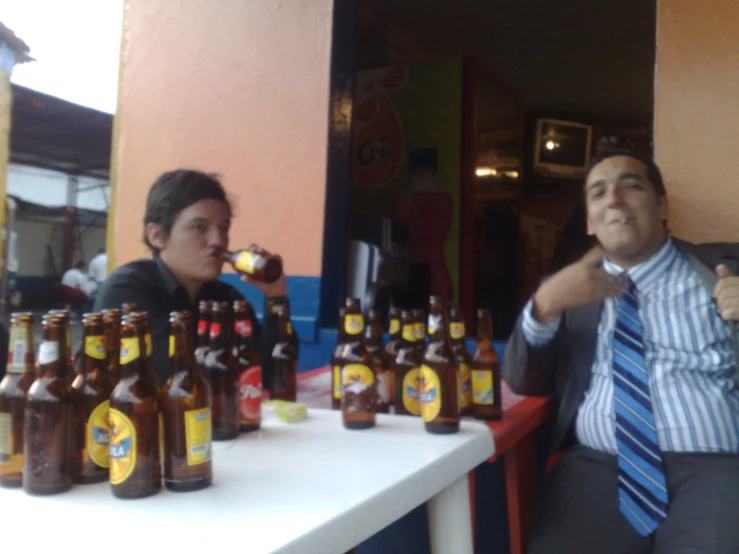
[613,196]
[218,238]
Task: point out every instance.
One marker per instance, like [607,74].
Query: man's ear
[156,236]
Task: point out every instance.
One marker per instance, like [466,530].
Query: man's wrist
[543,309]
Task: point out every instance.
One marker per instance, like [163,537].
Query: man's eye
[199,228]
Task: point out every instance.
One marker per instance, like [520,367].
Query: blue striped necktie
[642,490]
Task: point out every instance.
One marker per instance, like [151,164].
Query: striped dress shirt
[689,356]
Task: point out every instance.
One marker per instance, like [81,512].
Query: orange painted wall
[236,87]
[697,116]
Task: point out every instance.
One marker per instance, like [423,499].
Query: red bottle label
[202,326]
[250,392]
[243,327]
[215,329]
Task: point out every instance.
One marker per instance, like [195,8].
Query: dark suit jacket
[563,366]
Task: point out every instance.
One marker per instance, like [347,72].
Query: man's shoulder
[138,272]
[710,253]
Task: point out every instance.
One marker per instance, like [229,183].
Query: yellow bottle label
[464,386]
[289,328]
[97,437]
[147,340]
[122,446]
[411,389]
[482,387]
[197,436]
[456,330]
[337,382]
[129,350]
[394,326]
[356,378]
[171,345]
[6,441]
[409,332]
[420,331]
[245,261]
[95,347]
[20,359]
[353,324]
[430,394]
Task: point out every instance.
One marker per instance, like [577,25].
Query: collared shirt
[154,289]
[689,356]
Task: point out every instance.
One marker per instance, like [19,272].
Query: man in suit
[638,343]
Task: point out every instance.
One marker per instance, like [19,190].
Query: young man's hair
[79,265]
[176,190]
[654,175]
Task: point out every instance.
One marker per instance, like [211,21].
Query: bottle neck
[51,352]
[180,350]
[21,355]
[95,354]
[133,354]
[374,334]
[437,327]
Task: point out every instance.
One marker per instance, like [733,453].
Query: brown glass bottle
[13,390]
[112,333]
[249,368]
[463,361]
[284,360]
[419,327]
[62,317]
[91,410]
[380,361]
[205,314]
[47,468]
[222,375]
[186,405]
[147,334]
[128,308]
[439,408]
[485,371]
[134,418]
[256,262]
[335,365]
[358,381]
[395,332]
[407,369]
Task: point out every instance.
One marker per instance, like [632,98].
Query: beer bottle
[335,368]
[284,360]
[222,374]
[249,367]
[395,332]
[62,317]
[463,360]
[439,408]
[135,469]
[112,334]
[91,414]
[380,361]
[147,334]
[486,399]
[420,330]
[13,390]
[128,308]
[407,369]
[256,262]
[205,313]
[186,403]
[74,433]
[358,382]
[47,468]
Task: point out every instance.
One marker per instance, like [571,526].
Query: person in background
[74,288]
[186,220]
[638,342]
[98,267]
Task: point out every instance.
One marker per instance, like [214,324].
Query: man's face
[623,210]
[197,232]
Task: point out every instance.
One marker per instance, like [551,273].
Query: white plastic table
[303,488]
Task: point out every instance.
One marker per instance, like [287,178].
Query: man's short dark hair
[654,175]
[80,265]
[174,191]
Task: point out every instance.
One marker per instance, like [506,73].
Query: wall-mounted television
[562,148]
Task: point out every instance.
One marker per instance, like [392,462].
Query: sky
[76,45]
